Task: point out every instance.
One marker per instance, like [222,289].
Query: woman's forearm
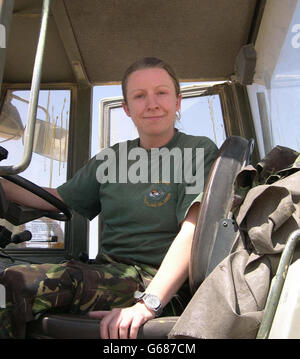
[175,267]
[17,194]
[125,322]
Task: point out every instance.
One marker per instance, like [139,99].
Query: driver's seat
[209,249]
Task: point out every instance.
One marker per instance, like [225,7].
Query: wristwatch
[151,301]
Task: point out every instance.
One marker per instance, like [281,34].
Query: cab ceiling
[95,40]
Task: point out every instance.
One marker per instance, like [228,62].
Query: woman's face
[152,102]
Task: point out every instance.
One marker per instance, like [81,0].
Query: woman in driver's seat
[148,225]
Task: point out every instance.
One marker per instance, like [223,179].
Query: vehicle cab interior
[239,67]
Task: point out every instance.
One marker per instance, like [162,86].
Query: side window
[48,167]
[201,114]
[274,96]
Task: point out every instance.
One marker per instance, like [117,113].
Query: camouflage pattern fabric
[73,287]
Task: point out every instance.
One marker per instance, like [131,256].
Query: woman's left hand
[122,323]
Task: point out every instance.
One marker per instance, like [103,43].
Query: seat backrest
[209,248]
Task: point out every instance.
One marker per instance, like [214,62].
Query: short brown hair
[149,62]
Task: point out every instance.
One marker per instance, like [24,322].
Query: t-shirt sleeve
[81,192]
[201,162]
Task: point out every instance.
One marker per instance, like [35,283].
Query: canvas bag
[230,301]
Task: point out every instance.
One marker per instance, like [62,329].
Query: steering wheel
[17,214]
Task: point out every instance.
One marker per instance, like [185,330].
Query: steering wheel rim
[64,214]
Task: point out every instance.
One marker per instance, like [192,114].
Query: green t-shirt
[140,219]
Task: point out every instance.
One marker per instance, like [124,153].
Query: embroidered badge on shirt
[158,195]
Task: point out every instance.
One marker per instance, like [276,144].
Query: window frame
[44,255]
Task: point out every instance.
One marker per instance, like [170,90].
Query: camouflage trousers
[73,287]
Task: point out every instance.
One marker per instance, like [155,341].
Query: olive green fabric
[140,219]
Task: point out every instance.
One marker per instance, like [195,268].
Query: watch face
[152,301]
